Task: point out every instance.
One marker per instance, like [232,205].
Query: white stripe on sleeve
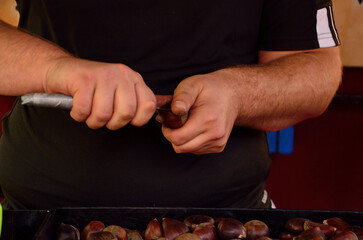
[327,34]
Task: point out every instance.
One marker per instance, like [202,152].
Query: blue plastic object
[286,140]
[272,141]
[281,141]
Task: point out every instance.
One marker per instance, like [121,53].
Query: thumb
[184,98]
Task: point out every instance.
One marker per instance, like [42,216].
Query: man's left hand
[210,101]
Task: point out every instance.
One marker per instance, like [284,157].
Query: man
[237,69]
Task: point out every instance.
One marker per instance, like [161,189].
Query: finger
[184,97]
[124,107]
[102,107]
[146,104]
[82,104]
[202,144]
[191,129]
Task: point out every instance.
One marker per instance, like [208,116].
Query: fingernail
[180,105]
[159,119]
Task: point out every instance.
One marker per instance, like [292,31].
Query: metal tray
[137,218]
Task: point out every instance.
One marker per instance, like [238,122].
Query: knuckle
[127,113]
[218,133]
[103,116]
[148,106]
[93,125]
[176,140]
[210,119]
[115,125]
[178,149]
[80,115]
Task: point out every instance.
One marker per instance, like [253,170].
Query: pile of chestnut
[330,229]
[202,227]
[195,227]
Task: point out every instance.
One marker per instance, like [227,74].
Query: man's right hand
[104,94]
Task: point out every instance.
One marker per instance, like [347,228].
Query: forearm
[24,61]
[287,90]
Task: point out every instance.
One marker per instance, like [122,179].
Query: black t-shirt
[48,160]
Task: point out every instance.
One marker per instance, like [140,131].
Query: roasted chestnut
[153,230]
[256,229]
[264,238]
[286,236]
[118,231]
[193,221]
[187,236]
[92,227]
[206,231]
[347,235]
[295,225]
[134,235]
[328,231]
[338,223]
[358,230]
[311,234]
[102,236]
[230,228]
[173,228]
[67,232]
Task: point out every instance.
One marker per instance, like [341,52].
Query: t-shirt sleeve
[288,25]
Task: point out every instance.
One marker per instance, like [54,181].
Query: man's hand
[210,101]
[104,94]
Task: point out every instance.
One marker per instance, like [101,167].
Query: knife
[61,101]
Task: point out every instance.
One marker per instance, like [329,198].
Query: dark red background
[325,170]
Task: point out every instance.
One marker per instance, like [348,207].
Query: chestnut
[328,231]
[295,225]
[311,234]
[347,235]
[153,230]
[102,236]
[194,220]
[173,228]
[206,231]
[134,235]
[67,232]
[170,120]
[264,238]
[230,228]
[338,223]
[256,229]
[118,231]
[93,226]
[187,236]
[358,230]
[286,236]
